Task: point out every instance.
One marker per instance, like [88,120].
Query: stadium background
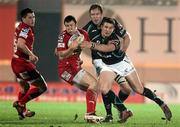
[154,49]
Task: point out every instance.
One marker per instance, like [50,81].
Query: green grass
[49,114]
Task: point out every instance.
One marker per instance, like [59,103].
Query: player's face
[29,19]
[96,16]
[70,27]
[107,29]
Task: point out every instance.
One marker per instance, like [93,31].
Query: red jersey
[26,32]
[20,66]
[69,67]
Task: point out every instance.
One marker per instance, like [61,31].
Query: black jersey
[108,57]
[94,33]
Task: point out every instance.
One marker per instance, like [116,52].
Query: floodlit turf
[49,114]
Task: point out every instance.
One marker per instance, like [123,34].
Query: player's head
[107,27]
[28,16]
[70,24]
[96,13]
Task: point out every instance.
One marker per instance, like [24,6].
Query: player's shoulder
[63,33]
[82,31]
[87,25]
[113,36]
[23,28]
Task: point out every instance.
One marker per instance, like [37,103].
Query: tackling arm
[125,43]
[100,47]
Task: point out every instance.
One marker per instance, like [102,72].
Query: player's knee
[93,85]
[41,84]
[43,88]
[139,90]
[104,90]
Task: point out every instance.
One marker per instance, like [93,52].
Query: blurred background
[154,48]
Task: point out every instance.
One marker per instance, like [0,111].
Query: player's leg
[87,82]
[24,87]
[106,79]
[98,64]
[40,86]
[136,85]
[123,95]
[34,78]
[125,88]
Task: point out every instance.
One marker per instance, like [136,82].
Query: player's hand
[85,44]
[33,58]
[74,45]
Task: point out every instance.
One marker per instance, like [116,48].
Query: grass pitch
[51,114]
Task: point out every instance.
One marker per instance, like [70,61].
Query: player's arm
[21,45]
[68,52]
[122,33]
[100,47]
[125,43]
[65,53]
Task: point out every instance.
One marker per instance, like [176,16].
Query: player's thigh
[106,79]
[85,79]
[123,84]
[134,82]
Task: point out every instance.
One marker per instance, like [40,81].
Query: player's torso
[71,61]
[92,30]
[107,57]
[26,32]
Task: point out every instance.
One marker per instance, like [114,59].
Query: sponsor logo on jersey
[61,45]
[94,31]
[24,32]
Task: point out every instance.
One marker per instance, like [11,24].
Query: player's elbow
[127,37]
[20,45]
[60,55]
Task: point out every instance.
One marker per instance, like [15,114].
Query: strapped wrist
[93,45]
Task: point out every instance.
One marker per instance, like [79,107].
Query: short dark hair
[25,11]
[108,20]
[96,6]
[70,18]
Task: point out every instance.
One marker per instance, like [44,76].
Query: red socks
[90,101]
[31,94]
[21,95]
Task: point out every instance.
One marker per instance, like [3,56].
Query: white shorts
[79,76]
[123,68]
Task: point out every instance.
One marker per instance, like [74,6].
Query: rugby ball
[76,37]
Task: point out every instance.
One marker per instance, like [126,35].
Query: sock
[151,95]
[116,101]
[122,96]
[31,94]
[90,101]
[107,104]
[21,95]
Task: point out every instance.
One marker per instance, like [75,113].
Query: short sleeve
[119,29]
[24,33]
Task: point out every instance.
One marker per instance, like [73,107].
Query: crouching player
[69,67]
